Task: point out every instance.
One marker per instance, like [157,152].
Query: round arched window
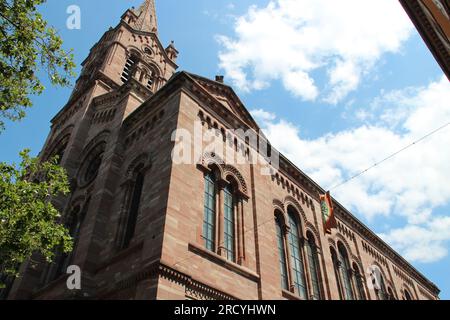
[59,149]
[91,165]
[92,168]
[148,51]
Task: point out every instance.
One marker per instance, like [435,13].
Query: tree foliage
[29,222]
[27,46]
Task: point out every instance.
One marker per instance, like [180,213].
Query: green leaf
[29,222]
[27,46]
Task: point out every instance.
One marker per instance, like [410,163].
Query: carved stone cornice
[432,31]
[193,287]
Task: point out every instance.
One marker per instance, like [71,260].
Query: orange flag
[326,205]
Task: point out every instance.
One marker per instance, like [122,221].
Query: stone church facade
[148,227]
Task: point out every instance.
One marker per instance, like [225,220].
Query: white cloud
[422,243]
[263,115]
[289,39]
[301,85]
[410,185]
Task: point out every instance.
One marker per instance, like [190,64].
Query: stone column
[241,231]
[220,221]
[307,268]
[340,279]
[288,259]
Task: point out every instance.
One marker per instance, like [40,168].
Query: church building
[156,216]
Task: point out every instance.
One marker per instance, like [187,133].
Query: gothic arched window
[281,252]
[60,148]
[382,293]
[128,69]
[229,236]
[390,294]
[407,295]
[359,283]
[59,152]
[295,243]
[136,195]
[143,76]
[62,259]
[223,213]
[337,274]
[345,272]
[150,80]
[209,217]
[314,266]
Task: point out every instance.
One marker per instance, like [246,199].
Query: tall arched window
[62,259]
[407,295]
[314,266]
[133,212]
[281,253]
[359,283]
[209,216]
[298,271]
[59,152]
[345,272]
[336,267]
[129,68]
[60,148]
[150,80]
[381,291]
[390,294]
[228,229]
[223,211]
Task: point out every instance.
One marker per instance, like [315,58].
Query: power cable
[390,157]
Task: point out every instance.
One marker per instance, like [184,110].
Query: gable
[227,97]
[151,39]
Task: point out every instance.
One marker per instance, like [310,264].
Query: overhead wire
[389,157]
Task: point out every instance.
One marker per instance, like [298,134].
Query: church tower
[125,68]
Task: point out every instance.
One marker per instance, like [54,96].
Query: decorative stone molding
[291,201]
[278,205]
[194,289]
[332,243]
[141,160]
[62,137]
[347,246]
[311,228]
[229,170]
[144,128]
[99,138]
[225,171]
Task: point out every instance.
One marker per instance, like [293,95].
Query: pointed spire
[146,20]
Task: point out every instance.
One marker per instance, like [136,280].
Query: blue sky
[335,89]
